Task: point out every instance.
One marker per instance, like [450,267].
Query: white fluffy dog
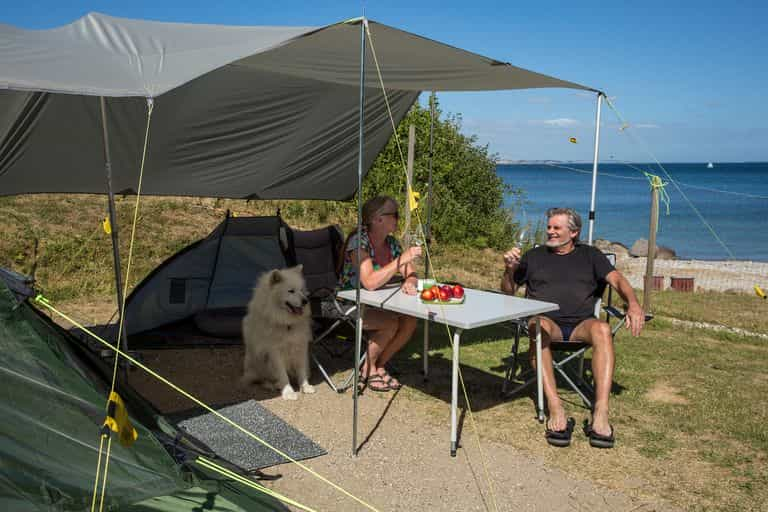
[277,332]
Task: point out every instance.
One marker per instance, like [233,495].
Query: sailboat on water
[710,165]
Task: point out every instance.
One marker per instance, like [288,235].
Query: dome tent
[210,281]
[52,404]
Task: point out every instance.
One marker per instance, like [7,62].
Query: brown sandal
[392,382]
[380,385]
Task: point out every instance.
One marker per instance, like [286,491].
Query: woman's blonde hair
[378,205]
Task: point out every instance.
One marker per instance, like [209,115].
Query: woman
[381,258]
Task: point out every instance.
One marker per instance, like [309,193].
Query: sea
[718,213]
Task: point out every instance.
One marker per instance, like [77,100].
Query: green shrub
[467,194]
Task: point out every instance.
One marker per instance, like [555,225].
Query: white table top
[480,308]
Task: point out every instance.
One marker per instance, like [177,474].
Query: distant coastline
[505,161]
[731,198]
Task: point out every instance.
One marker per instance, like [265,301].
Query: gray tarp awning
[241,112]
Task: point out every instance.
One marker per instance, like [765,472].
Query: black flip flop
[599,440]
[561,438]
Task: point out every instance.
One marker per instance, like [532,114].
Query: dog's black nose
[304,302]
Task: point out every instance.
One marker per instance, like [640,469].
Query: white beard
[554,244]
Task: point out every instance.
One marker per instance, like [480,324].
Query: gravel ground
[403,462]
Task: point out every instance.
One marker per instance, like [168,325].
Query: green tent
[52,401]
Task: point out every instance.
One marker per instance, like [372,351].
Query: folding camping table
[479,309]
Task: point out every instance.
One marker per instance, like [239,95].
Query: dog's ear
[299,268]
[275,277]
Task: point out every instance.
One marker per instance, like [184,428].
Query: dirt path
[404,462]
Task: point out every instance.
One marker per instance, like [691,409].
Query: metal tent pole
[359,323]
[427,227]
[594,167]
[113,221]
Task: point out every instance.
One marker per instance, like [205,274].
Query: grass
[688,404]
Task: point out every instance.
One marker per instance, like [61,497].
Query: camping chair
[318,251]
[573,351]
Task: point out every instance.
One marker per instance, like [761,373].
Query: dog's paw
[307,388]
[289,394]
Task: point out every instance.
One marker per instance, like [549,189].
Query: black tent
[209,282]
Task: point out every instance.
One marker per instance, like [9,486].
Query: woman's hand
[410,254]
[409,286]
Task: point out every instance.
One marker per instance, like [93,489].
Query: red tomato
[427,295]
[458,291]
[435,291]
[447,289]
[444,296]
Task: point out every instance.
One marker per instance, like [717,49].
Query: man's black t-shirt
[572,280]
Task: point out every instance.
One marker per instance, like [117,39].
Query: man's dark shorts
[567,328]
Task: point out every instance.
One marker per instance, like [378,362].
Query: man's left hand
[635,318]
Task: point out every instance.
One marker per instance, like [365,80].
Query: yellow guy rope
[105,432]
[418,219]
[46,303]
[150,108]
[250,483]
[624,126]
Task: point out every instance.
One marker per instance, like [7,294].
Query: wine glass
[522,237]
[415,237]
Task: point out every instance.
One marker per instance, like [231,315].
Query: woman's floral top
[348,278]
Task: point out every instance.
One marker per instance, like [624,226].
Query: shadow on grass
[484,358]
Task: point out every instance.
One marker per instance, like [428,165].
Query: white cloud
[562,122]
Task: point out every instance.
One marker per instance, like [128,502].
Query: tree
[467,194]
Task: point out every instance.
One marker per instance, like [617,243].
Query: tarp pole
[113,221]
[594,167]
[359,323]
[427,227]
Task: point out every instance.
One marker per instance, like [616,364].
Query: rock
[619,249]
[640,249]
[665,253]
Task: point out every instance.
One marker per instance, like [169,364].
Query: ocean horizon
[718,213]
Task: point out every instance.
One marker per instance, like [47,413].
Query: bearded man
[572,275]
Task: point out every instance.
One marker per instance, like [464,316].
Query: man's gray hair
[574,219]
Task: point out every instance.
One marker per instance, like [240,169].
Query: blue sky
[689,77]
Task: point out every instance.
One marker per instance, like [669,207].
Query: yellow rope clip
[658,183]
[117,421]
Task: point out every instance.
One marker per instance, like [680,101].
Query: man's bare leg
[598,334]
[549,331]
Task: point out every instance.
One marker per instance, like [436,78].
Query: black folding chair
[318,251]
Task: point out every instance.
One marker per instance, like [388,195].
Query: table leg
[455,389]
[425,357]
[539,380]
